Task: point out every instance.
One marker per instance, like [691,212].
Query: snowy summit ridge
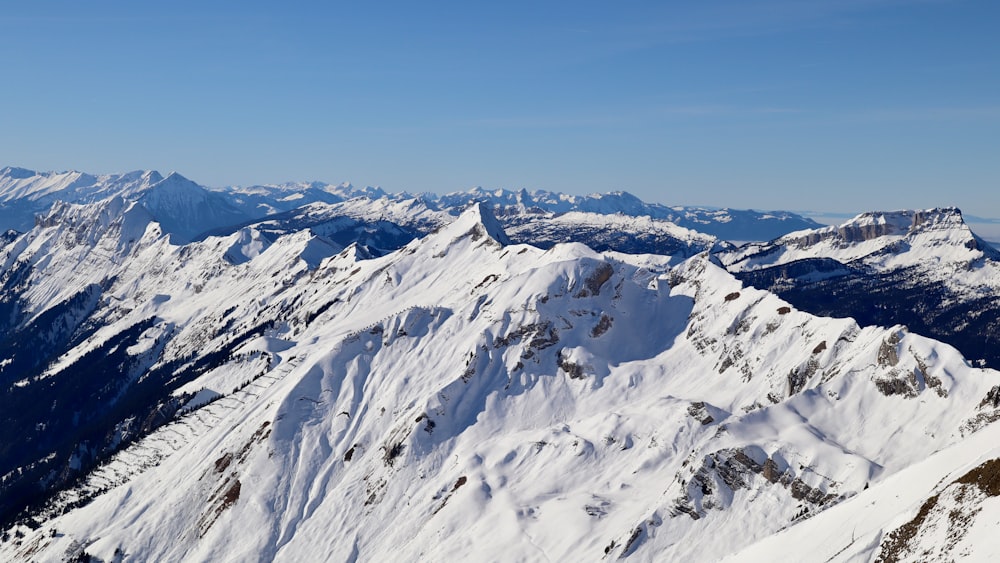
[400,379]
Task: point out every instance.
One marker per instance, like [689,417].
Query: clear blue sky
[834,105]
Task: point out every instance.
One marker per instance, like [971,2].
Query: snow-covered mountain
[26,193]
[883,241]
[316,372]
[272,394]
[183,208]
[262,200]
[383,225]
[925,269]
[724,224]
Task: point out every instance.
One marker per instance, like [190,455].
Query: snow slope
[468,398]
[941,509]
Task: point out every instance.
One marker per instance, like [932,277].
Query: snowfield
[468,398]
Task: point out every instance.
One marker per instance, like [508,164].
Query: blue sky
[833,105]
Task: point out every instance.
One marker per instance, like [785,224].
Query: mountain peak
[479,216]
[888,239]
[16,173]
[175,178]
[881,223]
[152,176]
[939,216]
[125,220]
[185,209]
[938,226]
[873,225]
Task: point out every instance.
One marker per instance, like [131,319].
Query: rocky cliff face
[874,225]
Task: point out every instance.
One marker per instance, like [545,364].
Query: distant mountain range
[25,194]
[310,372]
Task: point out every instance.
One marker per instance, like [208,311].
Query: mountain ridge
[402,372]
[25,192]
[461,384]
[923,268]
[870,235]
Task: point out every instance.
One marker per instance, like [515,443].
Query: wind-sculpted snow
[466,398]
